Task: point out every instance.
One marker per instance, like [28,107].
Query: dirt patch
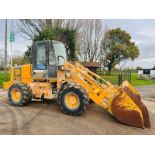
[47,118]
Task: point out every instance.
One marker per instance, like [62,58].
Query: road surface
[47,119]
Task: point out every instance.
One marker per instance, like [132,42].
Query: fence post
[130,76]
[119,79]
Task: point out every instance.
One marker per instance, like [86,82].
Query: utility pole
[12,39]
[6,27]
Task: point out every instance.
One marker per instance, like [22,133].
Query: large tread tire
[30,94]
[80,92]
[26,95]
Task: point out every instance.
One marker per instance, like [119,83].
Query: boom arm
[122,102]
[98,92]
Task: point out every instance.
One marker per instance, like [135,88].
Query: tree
[18,61]
[27,56]
[65,35]
[1,59]
[116,47]
[70,37]
[58,29]
[138,68]
[89,39]
[45,34]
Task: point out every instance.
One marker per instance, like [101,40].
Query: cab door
[52,65]
[39,56]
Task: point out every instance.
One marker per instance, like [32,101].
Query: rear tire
[78,93]
[30,93]
[19,95]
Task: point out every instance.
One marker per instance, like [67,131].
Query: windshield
[60,50]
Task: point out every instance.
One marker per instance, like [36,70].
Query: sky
[20,44]
[143,34]
[141,31]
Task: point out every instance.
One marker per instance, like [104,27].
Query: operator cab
[46,57]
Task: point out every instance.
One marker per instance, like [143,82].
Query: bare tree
[89,40]
[103,47]
[31,27]
[1,58]
[89,33]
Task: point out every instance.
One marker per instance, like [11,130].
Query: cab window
[41,56]
[60,50]
[52,59]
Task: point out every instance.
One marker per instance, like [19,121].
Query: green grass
[2,79]
[136,82]
[113,78]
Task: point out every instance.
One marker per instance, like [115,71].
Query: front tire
[73,99]
[19,95]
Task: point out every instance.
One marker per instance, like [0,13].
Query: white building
[146,74]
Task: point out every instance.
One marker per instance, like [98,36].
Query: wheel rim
[72,101]
[16,95]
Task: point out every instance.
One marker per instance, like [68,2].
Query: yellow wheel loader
[51,76]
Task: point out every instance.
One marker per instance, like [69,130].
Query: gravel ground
[47,119]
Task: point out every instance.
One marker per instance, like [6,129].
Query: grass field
[136,82]
[113,78]
[2,79]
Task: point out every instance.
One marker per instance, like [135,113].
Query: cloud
[147,33]
[143,34]
[20,43]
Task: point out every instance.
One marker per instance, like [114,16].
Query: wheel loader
[50,76]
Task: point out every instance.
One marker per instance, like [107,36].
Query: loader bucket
[128,108]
